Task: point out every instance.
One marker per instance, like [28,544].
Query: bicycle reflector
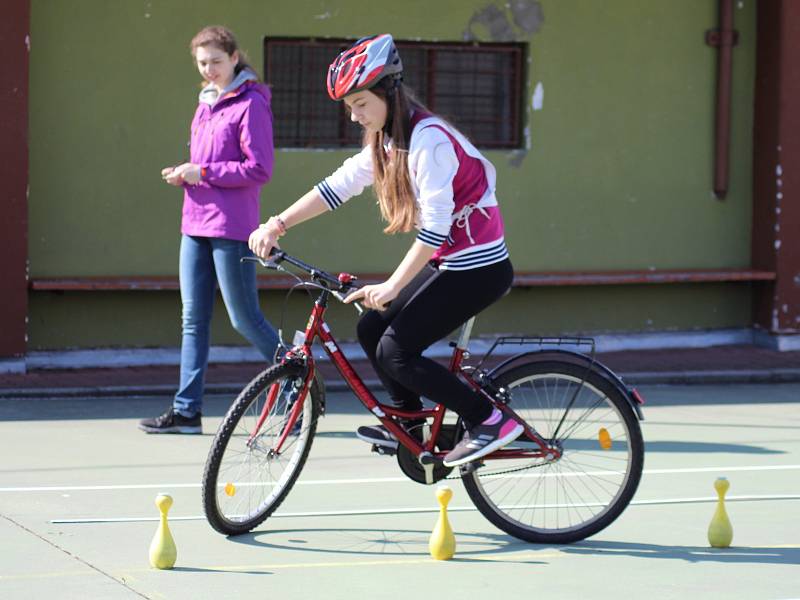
[637,396]
[604,438]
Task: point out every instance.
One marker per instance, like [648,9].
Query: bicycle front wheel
[589,418]
[246,476]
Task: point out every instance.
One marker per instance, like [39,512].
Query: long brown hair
[392,179]
[222,38]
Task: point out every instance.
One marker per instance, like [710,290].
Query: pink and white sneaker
[484,439]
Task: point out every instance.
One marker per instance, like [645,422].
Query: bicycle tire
[589,486]
[235,467]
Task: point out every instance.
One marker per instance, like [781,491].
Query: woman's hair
[222,38]
[392,180]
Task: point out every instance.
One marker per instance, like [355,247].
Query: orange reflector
[604,438]
[230,489]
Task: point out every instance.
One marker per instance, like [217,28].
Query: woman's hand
[374,296]
[168,175]
[262,240]
[185,173]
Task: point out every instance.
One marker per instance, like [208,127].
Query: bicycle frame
[426,453]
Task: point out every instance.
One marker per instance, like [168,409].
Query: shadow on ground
[383,542]
[694,554]
[481,546]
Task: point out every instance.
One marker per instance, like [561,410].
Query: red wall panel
[14,48]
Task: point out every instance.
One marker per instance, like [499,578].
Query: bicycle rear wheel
[586,489]
[245,480]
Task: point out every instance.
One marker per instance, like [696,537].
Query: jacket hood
[209,94]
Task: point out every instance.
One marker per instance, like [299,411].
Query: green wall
[617,174]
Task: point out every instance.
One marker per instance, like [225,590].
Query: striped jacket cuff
[331,199]
[429,238]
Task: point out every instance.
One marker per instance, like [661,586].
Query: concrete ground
[78,480]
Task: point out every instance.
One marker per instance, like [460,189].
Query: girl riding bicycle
[427,176]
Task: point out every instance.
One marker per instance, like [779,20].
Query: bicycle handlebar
[342,284]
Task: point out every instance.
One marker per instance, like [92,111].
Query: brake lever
[341,297]
[267,264]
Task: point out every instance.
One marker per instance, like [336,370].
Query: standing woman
[231,157]
[427,176]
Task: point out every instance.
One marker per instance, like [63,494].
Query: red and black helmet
[363,65]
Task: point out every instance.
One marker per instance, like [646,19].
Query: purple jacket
[232,142]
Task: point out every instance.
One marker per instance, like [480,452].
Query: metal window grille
[476,86]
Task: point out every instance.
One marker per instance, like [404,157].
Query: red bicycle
[571,473]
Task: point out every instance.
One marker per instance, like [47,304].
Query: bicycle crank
[432,470]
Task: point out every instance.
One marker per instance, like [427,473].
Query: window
[476,86]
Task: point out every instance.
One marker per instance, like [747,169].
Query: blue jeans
[204,262]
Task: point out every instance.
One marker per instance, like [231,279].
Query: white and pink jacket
[454,186]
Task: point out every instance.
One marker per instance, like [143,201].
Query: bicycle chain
[535,466]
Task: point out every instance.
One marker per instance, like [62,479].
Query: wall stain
[527,17]
[494,19]
[515,20]
[527,14]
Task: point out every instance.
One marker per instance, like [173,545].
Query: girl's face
[215,65]
[367,109]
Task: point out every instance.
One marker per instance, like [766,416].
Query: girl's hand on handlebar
[374,296]
[262,240]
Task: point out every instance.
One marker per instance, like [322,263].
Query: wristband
[281,225]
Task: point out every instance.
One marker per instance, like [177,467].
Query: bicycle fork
[295,399]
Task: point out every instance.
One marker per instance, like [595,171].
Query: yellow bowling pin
[442,543]
[162,549]
[720,532]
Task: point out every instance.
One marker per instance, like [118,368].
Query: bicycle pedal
[383,450]
[470,467]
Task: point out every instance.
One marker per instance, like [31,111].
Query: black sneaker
[482,440]
[172,422]
[378,435]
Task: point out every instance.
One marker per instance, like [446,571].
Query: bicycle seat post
[464,334]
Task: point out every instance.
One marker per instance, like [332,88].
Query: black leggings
[426,310]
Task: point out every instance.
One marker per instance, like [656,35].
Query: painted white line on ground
[152,486]
[388,511]
[93,488]
[721,469]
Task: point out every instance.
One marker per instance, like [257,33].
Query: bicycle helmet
[363,65]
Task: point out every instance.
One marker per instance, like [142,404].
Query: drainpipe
[724,38]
